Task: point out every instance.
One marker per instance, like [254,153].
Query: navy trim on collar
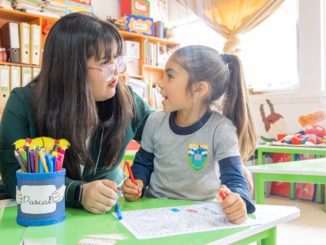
[190,129]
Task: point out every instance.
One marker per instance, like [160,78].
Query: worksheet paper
[161,222]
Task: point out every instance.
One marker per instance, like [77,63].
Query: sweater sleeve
[231,175]
[143,166]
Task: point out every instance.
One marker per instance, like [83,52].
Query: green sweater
[17,123]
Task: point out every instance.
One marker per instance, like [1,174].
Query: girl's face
[174,88]
[103,78]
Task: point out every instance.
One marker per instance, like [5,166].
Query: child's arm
[142,169]
[249,179]
[231,175]
[143,166]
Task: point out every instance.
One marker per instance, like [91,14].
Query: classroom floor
[309,228]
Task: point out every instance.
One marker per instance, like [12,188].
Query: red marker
[222,195]
[131,175]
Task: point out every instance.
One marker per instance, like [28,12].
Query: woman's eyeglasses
[109,70]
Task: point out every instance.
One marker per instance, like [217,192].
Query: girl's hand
[233,206]
[131,191]
[99,196]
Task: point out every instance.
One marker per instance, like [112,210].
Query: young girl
[190,151]
[77,96]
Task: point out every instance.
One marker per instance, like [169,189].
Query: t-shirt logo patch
[197,156]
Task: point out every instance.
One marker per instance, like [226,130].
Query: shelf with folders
[19,31]
[22,40]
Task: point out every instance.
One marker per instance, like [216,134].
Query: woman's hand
[132,192]
[99,196]
[233,206]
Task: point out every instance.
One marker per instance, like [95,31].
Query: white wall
[106,8]
[307,99]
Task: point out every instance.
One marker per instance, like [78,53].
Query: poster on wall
[274,123]
[79,6]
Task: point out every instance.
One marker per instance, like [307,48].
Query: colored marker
[36,163]
[23,168]
[49,163]
[118,210]
[54,163]
[131,175]
[31,161]
[43,161]
[23,160]
[59,162]
[222,195]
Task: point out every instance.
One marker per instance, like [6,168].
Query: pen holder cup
[40,198]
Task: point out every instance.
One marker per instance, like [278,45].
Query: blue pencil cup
[40,198]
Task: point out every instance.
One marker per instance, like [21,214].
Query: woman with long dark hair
[77,96]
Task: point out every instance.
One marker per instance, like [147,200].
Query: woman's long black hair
[63,103]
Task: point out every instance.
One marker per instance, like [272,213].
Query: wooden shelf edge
[161,41]
[149,38]
[132,76]
[18,64]
[155,68]
[18,13]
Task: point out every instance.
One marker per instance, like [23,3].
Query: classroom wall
[289,104]
[158,9]
[307,99]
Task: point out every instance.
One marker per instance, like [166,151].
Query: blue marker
[118,210]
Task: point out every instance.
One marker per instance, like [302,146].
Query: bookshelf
[9,15]
[149,73]
[148,68]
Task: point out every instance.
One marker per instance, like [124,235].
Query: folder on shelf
[26,75]
[10,41]
[15,77]
[35,71]
[35,43]
[4,83]
[24,37]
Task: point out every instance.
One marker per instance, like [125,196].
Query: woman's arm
[14,125]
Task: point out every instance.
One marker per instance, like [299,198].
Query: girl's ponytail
[237,107]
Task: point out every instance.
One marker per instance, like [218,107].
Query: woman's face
[103,78]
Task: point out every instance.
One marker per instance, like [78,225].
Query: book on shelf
[154,98]
[131,49]
[139,87]
[156,54]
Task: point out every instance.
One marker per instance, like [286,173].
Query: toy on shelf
[314,135]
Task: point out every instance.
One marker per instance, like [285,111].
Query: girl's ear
[201,88]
